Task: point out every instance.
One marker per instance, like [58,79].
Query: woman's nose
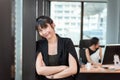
[44,32]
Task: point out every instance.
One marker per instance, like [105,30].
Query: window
[58,6]
[73,5]
[73,17]
[18,39]
[66,5]
[66,17]
[66,12]
[58,12]
[69,23]
[65,27]
[95,21]
[73,24]
[59,17]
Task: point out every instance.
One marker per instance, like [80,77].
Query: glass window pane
[18,39]
[95,15]
[66,16]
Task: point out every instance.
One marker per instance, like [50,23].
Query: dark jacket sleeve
[38,47]
[71,49]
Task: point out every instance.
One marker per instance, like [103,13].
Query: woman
[92,49]
[56,56]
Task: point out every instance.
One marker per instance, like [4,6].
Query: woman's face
[47,32]
[97,45]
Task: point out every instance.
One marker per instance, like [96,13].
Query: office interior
[17,42]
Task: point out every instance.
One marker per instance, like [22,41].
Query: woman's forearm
[71,70]
[92,62]
[50,70]
[100,54]
[67,72]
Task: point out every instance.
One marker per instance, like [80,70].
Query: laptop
[110,51]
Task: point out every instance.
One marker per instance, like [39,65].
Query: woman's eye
[39,30]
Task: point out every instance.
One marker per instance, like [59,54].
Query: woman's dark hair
[94,41]
[42,21]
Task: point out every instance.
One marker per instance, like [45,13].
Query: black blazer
[65,46]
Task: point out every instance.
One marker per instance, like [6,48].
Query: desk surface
[101,69]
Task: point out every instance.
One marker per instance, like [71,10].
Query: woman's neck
[92,48]
[53,39]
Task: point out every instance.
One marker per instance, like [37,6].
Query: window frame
[82,13]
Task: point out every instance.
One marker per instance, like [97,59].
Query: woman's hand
[44,70]
[69,71]
[49,77]
[97,64]
[52,76]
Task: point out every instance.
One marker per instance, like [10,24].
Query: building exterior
[67,17]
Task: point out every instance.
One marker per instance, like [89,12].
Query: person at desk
[93,48]
[56,56]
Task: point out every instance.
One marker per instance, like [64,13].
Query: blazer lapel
[45,53]
[59,49]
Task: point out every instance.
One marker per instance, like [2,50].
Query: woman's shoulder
[66,41]
[87,49]
[63,38]
[100,48]
[40,43]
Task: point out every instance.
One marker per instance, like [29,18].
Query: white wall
[119,22]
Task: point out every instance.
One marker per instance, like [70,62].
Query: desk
[103,69]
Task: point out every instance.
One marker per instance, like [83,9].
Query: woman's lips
[46,35]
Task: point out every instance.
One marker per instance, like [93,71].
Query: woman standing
[56,56]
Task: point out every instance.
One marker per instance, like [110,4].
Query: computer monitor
[110,51]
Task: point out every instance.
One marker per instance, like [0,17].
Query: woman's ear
[53,25]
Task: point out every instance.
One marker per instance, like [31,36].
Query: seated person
[92,49]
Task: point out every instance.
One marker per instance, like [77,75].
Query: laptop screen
[110,51]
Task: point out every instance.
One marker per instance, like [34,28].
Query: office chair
[83,44]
